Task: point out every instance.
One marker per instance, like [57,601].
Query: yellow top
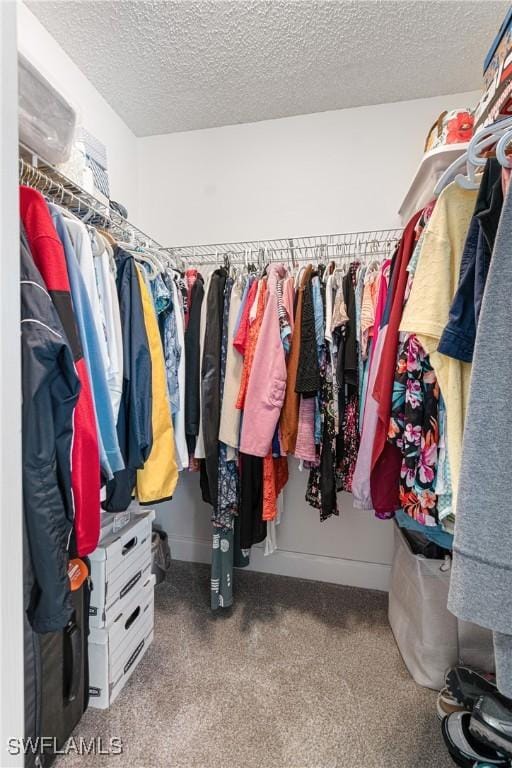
[426,312]
[157,480]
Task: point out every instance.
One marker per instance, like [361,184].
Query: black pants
[252,528]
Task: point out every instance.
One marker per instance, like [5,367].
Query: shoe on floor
[446,704]
[491,722]
[466,685]
[464,748]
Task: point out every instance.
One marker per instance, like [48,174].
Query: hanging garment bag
[56,682]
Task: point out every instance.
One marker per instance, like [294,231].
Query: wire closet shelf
[363,245]
[55,186]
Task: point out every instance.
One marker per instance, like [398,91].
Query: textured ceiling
[176,66]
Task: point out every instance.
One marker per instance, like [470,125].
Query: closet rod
[58,188]
[343,245]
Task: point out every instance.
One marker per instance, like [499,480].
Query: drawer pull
[130,585]
[133,657]
[129,546]
[132,617]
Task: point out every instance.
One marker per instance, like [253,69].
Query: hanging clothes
[166,304]
[368,305]
[210,383]
[247,336]
[193,364]
[48,255]
[134,423]
[157,479]
[167,311]
[191,276]
[305,446]
[386,458]
[458,338]
[348,383]
[252,527]
[50,388]
[362,272]
[307,381]
[111,459]
[361,489]
[227,493]
[289,419]
[267,379]
[181,449]
[79,235]
[427,310]
[323,481]
[275,477]
[199,452]
[285,296]
[241,335]
[481,577]
[109,302]
[414,431]
[229,429]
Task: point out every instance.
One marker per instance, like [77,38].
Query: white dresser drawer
[122,561]
[115,651]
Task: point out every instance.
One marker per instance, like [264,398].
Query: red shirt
[386,458]
[242,335]
[190,278]
[49,258]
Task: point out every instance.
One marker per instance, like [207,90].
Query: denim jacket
[458,339]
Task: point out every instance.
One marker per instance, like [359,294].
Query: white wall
[324,173]
[330,172]
[11,594]
[43,51]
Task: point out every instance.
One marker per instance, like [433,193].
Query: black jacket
[308,371]
[210,382]
[347,370]
[193,364]
[50,387]
[134,425]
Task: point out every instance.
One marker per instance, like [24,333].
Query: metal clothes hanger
[147,257]
[155,255]
[141,257]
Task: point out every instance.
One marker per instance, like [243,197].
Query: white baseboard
[335,570]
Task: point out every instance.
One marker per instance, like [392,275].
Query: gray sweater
[481,579]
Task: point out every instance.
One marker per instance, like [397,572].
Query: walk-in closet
[256,284]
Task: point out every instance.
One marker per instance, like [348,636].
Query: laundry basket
[429,637]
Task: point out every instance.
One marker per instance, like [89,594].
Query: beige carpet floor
[297,674]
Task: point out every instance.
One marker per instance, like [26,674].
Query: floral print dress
[414,429]
[324,479]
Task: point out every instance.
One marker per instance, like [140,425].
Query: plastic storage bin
[47,122]
[119,565]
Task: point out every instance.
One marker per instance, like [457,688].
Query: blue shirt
[110,455]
